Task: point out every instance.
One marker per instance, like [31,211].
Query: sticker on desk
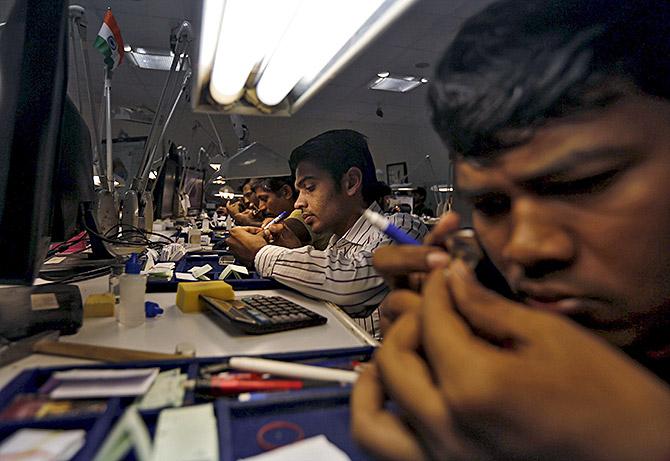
[56,260]
[44,301]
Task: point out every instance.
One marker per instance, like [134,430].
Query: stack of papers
[42,445]
[84,384]
[161,270]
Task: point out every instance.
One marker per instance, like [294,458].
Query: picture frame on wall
[396,173]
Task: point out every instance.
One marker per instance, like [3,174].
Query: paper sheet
[42,445]
[81,384]
[187,434]
[313,448]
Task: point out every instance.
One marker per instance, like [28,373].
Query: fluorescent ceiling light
[153,174]
[270,57]
[396,83]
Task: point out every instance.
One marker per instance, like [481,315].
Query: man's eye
[583,186]
[310,188]
[492,204]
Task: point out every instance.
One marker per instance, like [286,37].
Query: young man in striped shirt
[335,178]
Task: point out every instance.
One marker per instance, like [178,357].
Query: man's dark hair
[274,184]
[521,62]
[336,151]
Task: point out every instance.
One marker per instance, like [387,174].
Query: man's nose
[300,202]
[537,245]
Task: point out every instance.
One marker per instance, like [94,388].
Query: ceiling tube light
[240,48]
[318,31]
[269,57]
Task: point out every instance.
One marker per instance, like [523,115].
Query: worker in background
[335,177]
[275,196]
[419,208]
[246,212]
[558,115]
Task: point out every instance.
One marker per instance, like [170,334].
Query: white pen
[292,370]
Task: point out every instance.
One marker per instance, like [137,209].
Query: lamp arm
[184,37]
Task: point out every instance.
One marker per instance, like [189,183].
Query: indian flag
[109,41]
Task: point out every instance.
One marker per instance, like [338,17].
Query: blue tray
[251,282]
[322,410]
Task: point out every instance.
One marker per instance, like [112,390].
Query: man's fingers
[447,224]
[408,381]
[447,339]
[395,262]
[376,429]
[490,314]
[397,303]
[405,376]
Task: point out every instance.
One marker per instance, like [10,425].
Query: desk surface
[163,333]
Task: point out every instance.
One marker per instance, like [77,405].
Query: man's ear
[286,192]
[352,181]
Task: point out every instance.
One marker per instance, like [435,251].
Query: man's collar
[352,235]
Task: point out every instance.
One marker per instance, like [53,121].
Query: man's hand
[245,242]
[233,208]
[405,266]
[516,383]
[280,234]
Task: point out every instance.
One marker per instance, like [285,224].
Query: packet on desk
[81,384]
[42,445]
[35,406]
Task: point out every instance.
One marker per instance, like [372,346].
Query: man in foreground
[559,114]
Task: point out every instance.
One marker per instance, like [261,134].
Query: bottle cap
[152,309]
[133,265]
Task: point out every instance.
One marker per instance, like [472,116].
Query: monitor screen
[33,76]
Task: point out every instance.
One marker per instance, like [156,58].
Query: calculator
[258,315]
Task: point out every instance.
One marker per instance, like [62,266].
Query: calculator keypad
[276,310]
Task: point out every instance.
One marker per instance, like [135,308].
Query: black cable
[80,277]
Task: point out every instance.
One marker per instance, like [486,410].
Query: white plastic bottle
[133,286]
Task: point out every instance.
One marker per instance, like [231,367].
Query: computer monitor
[33,76]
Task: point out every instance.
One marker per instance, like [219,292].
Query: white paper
[199,271]
[314,448]
[187,434]
[56,260]
[233,268]
[185,276]
[81,384]
[42,445]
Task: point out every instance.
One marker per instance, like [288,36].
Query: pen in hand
[283,215]
[384,225]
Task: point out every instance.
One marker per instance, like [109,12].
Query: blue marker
[277,220]
[381,223]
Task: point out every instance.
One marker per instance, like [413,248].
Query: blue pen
[276,220]
[381,223]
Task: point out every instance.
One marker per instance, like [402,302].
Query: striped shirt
[342,273]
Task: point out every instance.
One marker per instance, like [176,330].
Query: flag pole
[108,121]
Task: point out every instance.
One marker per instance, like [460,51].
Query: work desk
[163,333]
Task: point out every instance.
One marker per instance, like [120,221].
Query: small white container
[131,305]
